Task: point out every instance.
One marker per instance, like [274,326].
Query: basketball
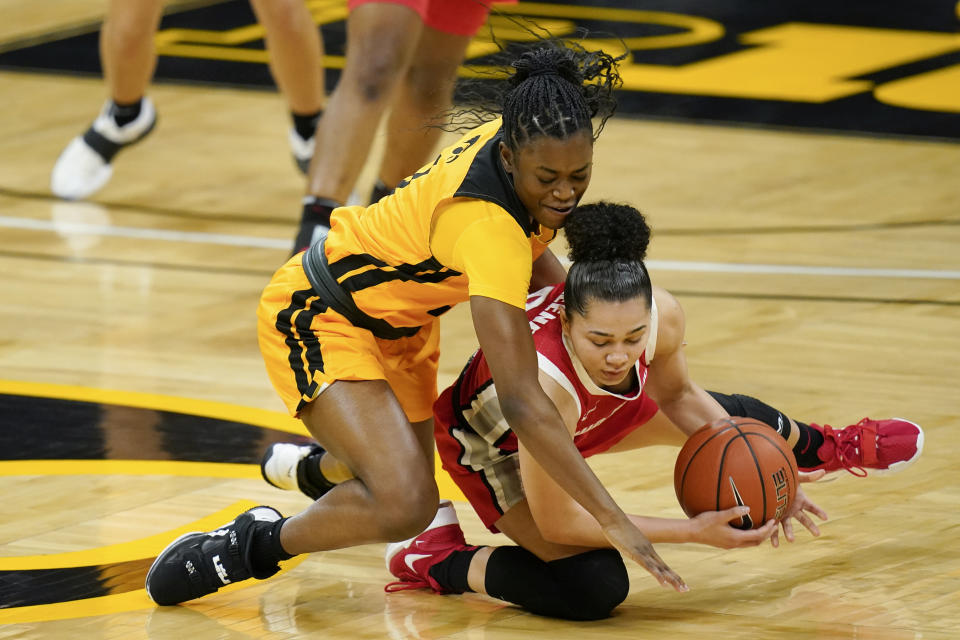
[736,461]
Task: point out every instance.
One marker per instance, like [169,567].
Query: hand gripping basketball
[737,462]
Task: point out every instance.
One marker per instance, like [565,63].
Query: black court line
[186,214]
[266,273]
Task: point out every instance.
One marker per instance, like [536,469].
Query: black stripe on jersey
[426,272]
[373,278]
[301,338]
[439,311]
[487,180]
[343,266]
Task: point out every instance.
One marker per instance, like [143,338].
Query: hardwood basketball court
[818,270]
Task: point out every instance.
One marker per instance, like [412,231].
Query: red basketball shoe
[883,446]
[410,560]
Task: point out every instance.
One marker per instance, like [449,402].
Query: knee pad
[595,583]
[587,586]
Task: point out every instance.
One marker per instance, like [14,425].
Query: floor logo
[877,67]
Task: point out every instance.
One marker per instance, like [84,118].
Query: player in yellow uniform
[348,330]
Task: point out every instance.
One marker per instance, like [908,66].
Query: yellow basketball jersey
[453,229]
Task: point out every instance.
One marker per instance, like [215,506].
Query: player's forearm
[691,408]
[541,430]
[579,529]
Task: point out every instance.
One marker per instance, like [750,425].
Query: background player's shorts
[457,17]
[487,476]
[307,346]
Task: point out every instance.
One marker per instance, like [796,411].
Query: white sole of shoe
[897,467]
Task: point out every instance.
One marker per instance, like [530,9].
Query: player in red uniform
[609,352]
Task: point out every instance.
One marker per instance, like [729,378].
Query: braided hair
[555,89]
[608,243]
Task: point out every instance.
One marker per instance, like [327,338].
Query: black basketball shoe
[197,564]
[294,467]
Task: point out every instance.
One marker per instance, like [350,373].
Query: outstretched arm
[561,520]
[504,335]
[690,407]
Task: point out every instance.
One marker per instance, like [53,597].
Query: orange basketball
[735,461]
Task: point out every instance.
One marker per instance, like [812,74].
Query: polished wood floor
[144,297]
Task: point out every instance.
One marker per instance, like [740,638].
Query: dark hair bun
[605,231]
[547,60]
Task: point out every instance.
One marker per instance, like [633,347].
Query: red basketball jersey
[605,417]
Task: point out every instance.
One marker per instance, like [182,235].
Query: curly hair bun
[605,231]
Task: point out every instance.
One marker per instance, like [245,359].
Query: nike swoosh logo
[410,558]
[745,521]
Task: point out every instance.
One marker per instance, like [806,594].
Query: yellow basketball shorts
[306,347]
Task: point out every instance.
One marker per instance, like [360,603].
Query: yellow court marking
[697,29]
[104,605]
[110,554]
[157,402]
[129,468]
[190,406]
[124,551]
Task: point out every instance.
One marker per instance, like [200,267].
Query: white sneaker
[84,166]
[302,150]
[284,465]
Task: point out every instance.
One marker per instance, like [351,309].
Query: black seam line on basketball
[723,459]
[756,463]
[790,460]
[803,298]
[683,478]
[723,456]
[157,211]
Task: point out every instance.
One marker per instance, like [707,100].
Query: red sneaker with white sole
[410,561]
[882,446]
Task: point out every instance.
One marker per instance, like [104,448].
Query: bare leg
[296,52]
[381,40]
[127,51]
[422,98]
[393,495]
